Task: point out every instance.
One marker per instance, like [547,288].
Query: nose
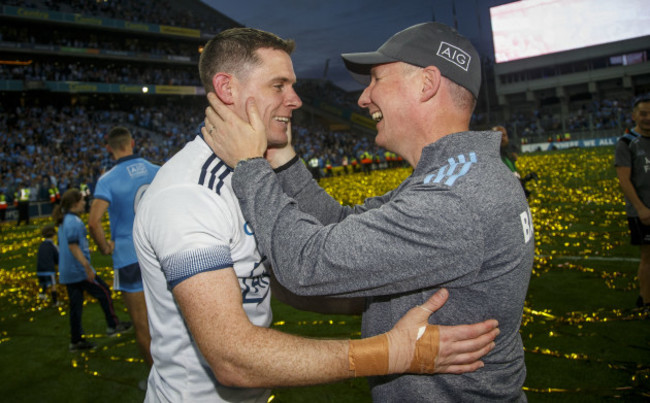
[364,99]
[293,100]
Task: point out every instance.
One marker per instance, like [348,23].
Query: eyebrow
[281,79]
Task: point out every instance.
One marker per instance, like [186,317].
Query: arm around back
[244,355]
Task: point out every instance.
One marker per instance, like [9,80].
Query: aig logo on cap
[455,55]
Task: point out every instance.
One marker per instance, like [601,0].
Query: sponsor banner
[28,13]
[11,85]
[138,26]
[69,49]
[9,45]
[92,87]
[39,47]
[193,33]
[175,90]
[86,20]
[363,121]
[98,21]
[331,109]
[130,89]
[563,145]
[179,58]
[83,87]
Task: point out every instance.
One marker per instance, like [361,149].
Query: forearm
[628,189]
[282,359]
[78,254]
[297,182]
[99,236]
[633,197]
[97,211]
[365,254]
[244,355]
[412,346]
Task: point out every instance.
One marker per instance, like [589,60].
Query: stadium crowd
[40,146]
[20,35]
[160,12]
[110,73]
[64,146]
[598,115]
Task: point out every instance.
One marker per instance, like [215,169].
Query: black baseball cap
[425,44]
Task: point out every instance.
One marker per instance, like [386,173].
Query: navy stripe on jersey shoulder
[213,174]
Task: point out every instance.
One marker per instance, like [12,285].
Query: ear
[222,83]
[431,79]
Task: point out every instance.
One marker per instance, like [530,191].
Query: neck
[644,133]
[121,154]
[431,138]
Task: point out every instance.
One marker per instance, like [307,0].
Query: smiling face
[389,101]
[271,84]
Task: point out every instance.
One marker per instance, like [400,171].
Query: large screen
[530,28]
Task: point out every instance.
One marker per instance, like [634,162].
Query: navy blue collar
[127,158]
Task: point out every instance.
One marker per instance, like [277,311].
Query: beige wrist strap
[426,351]
[369,356]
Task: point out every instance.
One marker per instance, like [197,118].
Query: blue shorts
[128,279]
[640,233]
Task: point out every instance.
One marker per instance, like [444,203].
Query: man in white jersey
[208,288]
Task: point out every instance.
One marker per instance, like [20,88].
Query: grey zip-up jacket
[460,221]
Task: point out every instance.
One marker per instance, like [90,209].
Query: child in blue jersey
[46,261]
[76,272]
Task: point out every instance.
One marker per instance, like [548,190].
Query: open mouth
[377,116]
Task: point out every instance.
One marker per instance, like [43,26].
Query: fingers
[462,362]
[254,115]
[289,133]
[436,301]
[212,119]
[464,345]
[461,369]
[469,346]
[419,315]
[467,332]
[217,107]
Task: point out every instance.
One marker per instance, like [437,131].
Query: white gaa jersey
[189,222]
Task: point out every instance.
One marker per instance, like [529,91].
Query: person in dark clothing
[22,197]
[46,262]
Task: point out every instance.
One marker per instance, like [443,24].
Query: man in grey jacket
[461,220]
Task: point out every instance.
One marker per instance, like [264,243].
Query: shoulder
[71,223]
[627,138]
[107,175]
[150,164]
